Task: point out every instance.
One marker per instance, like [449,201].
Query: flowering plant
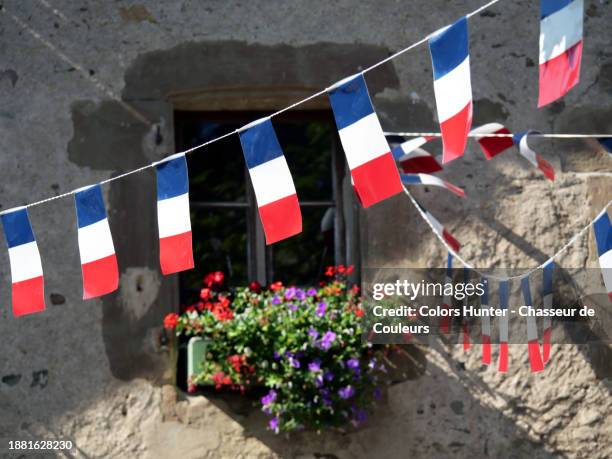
[304,345]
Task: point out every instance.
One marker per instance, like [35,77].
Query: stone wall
[87,91]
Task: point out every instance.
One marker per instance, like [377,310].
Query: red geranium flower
[341,269]
[359,312]
[255,287]
[330,271]
[205,293]
[171,320]
[276,286]
[349,269]
[214,278]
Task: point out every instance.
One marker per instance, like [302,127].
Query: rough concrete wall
[92,370]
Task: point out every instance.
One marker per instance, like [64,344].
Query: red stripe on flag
[100,277]
[466,336]
[455,189]
[176,253]
[546,345]
[454,133]
[420,165]
[546,168]
[445,321]
[28,296]
[450,240]
[281,219]
[559,75]
[493,146]
[486,349]
[535,359]
[377,180]
[503,357]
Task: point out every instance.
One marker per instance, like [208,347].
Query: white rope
[499,278]
[282,110]
[478,135]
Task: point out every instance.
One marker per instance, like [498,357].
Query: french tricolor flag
[503,327]
[493,146]
[534,158]
[96,248]
[173,219]
[485,322]
[547,296]
[448,237]
[26,267]
[448,299]
[426,179]
[603,236]
[275,193]
[452,86]
[413,159]
[560,48]
[373,170]
[535,359]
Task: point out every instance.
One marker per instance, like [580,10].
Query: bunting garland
[560,48]
[413,159]
[493,146]
[452,86]
[173,219]
[275,193]
[375,176]
[533,157]
[547,299]
[535,359]
[26,268]
[503,327]
[603,237]
[96,249]
[426,179]
[438,228]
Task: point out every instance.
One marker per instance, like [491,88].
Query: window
[227,232]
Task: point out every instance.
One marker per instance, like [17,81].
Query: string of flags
[374,169]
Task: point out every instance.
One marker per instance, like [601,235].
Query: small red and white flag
[275,193]
[173,219]
[534,158]
[413,159]
[503,327]
[452,86]
[438,228]
[560,48]
[535,359]
[373,169]
[547,297]
[493,146]
[426,179]
[603,236]
[96,248]
[26,268]
[485,322]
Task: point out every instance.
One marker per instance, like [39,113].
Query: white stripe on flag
[363,141]
[532,328]
[25,262]
[453,91]
[503,328]
[489,128]
[95,241]
[605,262]
[427,179]
[413,144]
[560,31]
[272,181]
[173,216]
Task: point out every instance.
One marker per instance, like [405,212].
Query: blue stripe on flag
[411,179]
[503,294]
[89,206]
[606,143]
[260,144]
[17,228]
[548,7]
[350,102]
[547,278]
[397,153]
[172,178]
[449,48]
[603,234]
[526,290]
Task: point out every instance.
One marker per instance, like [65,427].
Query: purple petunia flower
[295,363]
[311,292]
[269,398]
[319,380]
[300,295]
[359,416]
[346,392]
[313,334]
[276,356]
[273,424]
[314,366]
[290,293]
[292,307]
[328,375]
[321,307]
[276,300]
[352,363]
[325,397]
[328,338]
